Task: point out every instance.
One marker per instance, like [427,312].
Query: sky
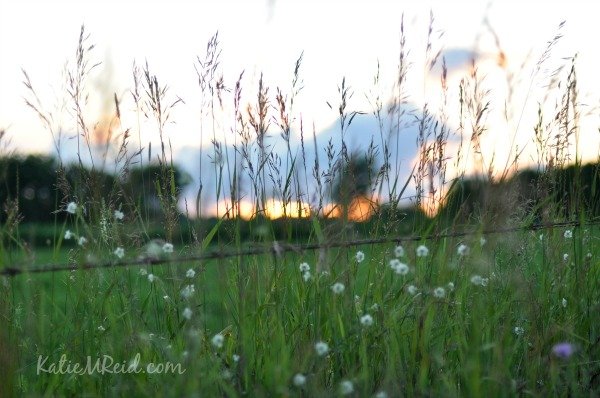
[338,39]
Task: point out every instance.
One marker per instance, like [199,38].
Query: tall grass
[468,315]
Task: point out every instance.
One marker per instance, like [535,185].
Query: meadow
[496,299]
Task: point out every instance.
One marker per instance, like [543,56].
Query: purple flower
[563,350]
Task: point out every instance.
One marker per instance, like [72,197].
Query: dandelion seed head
[187,313]
[366,320]
[101,328]
[564,302]
[190,273]
[69,234]
[218,340]
[450,286]
[306,276]
[422,251]
[119,252]
[477,280]
[346,387]
[236,358]
[401,269]
[119,215]
[412,290]
[322,348]
[565,257]
[304,267]
[439,292]
[71,207]
[151,278]
[82,241]
[167,248]
[143,272]
[399,251]
[338,288]
[188,291]
[482,241]
[519,331]
[299,380]
[360,256]
[568,234]
[462,249]
[589,255]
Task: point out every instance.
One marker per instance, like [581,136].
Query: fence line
[275,248]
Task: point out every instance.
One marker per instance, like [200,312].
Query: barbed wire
[276,248]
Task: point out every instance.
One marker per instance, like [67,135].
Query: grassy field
[486,322]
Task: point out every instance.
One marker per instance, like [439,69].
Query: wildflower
[565,257]
[119,215]
[321,348]
[482,241]
[299,380]
[165,297]
[217,340]
[381,394]
[188,291]
[151,278]
[338,288]
[564,302]
[412,290]
[304,267]
[394,263]
[374,307]
[81,241]
[143,272]
[563,350]
[450,286]
[439,292]
[589,255]
[477,280]
[402,269]
[422,251]
[346,387]
[226,374]
[101,328]
[462,249]
[519,331]
[360,256]
[399,251]
[236,358]
[72,208]
[187,313]
[119,252]
[168,248]
[568,234]
[190,273]
[69,234]
[306,276]
[366,320]
[541,237]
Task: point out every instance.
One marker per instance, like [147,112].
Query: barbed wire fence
[275,248]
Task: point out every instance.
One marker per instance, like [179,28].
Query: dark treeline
[35,189]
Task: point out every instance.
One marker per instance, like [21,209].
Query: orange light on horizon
[246,209]
[360,209]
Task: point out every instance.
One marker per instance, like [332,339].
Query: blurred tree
[354,180]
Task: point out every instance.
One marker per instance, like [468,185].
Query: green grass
[463,344]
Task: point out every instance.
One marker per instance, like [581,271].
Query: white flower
[187,313]
[462,249]
[72,208]
[518,330]
[439,292]
[143,272]
[366,320]
[165,297]
[338,288]
[450,286]
[226,374]
[346,387]
[399,267]
[119,252]
[236,358]
[399,251]
[321,348]
[151,278]
[190,273]
[482,241]
[422,251]
[360,256]
[168,248]
[299,380]
[188,291]
[477,280]
[306,276]
[304,267]
[412,290]
[119,215]
[568,234]
[541,237]
[101,328]
[81,241]
[217,340]
[381,394]
[564,302]
[589,255]
[565,257]
[374,307]
[69,234]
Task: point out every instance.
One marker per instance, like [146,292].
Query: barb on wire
[276,248]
